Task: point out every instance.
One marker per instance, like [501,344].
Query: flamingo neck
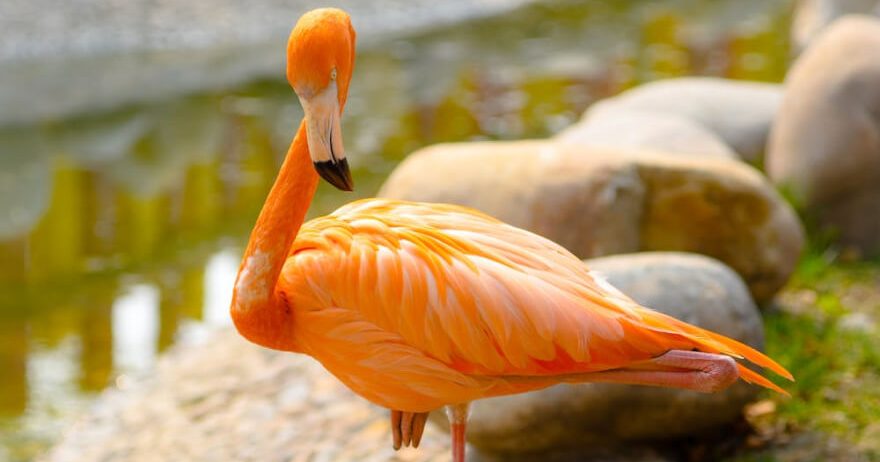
[258,310]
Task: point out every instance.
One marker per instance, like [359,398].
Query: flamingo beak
[336,173]
[324,134]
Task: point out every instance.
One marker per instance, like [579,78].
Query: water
[120,232]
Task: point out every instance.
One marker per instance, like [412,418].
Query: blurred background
[138,140]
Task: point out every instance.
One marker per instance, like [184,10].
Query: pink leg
[407,428]
[458,415]
[691,370]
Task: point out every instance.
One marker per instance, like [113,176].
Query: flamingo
[418,306]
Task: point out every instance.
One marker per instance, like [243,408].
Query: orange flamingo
[417,306]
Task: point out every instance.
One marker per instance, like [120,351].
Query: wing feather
[478,295]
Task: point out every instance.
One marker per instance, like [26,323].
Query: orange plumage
[416,306]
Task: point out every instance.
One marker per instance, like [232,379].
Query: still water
[120,232]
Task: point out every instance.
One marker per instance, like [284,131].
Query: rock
[693,288]
[647,130]
[812,16]
[739,113]
[825,144]
[855,221]
[597,201]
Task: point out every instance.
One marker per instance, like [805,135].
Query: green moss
[822,332]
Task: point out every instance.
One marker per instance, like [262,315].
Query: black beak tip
[336,173]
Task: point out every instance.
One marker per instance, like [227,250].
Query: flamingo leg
[407,428]
[690,370]
[458,416]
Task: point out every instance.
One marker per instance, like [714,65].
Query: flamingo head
[320,60]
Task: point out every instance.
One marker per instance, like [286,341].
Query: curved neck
[258,310]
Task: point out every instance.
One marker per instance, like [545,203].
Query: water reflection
[136,323]
[120,232]
[24,184]
[97,335]
[13,351]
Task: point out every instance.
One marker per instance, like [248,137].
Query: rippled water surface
[120,232]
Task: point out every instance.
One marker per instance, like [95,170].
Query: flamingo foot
[690,370]
[407,428]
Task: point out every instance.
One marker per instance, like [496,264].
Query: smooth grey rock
[825,144]
[739,113]
[812,16]
[855,221]
[596,201]
[647,130]
[693,288]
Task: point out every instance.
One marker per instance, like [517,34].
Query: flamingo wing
[480,297]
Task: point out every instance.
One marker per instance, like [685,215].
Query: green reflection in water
[55,247]
[13,354]
[149,194]
[96,333]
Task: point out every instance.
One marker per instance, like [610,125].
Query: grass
[824,328]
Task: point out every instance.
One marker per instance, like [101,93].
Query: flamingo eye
[333,74]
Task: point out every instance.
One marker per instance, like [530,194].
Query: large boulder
[596,201]
[647,130]
[594,417]
[738,113]
[825,144]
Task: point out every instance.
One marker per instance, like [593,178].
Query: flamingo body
[415,306]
